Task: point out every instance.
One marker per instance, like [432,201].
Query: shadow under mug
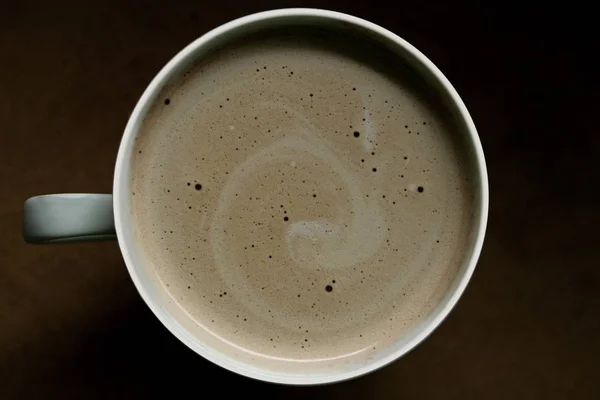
[78,217]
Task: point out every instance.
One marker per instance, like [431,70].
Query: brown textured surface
[71,323]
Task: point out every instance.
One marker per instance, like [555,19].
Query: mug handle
[69,217]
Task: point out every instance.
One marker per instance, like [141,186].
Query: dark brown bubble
[356,134]
[328,288]
[374,169]
[420,189]
[285,218]
[198,186]
[167,101]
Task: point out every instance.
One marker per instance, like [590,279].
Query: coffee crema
[301,198]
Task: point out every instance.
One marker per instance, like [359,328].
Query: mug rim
[123,223]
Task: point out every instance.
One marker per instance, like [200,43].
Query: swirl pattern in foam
[300,199]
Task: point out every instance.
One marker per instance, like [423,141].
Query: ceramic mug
[76,217]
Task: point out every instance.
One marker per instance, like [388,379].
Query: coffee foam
[299,202]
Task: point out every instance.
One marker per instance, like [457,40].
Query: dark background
[71,322]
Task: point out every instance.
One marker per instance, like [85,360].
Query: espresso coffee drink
[301,197]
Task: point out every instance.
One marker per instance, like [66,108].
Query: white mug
[76,217]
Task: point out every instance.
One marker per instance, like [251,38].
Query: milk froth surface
[299,198]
